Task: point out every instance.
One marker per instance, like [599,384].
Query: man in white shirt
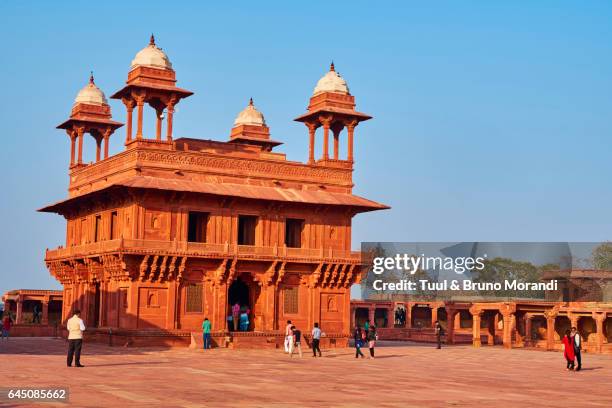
[75,327]
[577,347]
[288,337]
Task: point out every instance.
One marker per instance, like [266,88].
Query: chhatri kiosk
[170,231]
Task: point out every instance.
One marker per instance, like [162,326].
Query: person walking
[244,320]
[75,327]
[36,314]
[372,337]
[6,325]
[206,333]
[568,350]
[577,348]
[357,337]
[288,337]
[438,331]
[236,315]
[297,341]
[316,339]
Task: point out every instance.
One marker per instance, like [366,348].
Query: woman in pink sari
[568,350]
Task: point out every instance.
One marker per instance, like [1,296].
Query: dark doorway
[246,229]
[362,315]
[98,229]
[381,317]
[114,230]
[293,232]
[421,316]
[198,221]
[442,318]
[239,293]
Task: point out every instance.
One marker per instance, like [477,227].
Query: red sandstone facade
[170,231]
[21,304]
[519,323]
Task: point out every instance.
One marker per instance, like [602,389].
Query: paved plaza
[402,375]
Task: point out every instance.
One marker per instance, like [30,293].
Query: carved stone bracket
[281,273]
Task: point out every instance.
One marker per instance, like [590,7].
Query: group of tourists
[572,346]
[239,317]
[293,339]
[365,337]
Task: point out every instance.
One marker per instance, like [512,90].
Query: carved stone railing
[93,176]
[197,249]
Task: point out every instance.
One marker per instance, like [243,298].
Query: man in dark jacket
[358,338]
[439,332]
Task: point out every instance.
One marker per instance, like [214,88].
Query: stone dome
[250,116]
[331,82]
[91,94]
[151,56]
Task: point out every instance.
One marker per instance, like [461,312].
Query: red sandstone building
[516,323]
[170,231]
[23,304]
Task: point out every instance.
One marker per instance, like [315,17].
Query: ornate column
[129,105]
[599,318]
[350,127]
[312,128]
[450,325]
[551,315]
[371,314]
[45,311]
[434,314]
[391,317]
[528,327]
[409,315]
[80,132]
[476,316]
[107,134]
[170,112]
[19,315]
[73,137]
[573,319]
[325,121]
[507,333]
[98,148]
[139,105]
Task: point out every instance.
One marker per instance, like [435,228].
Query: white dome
[250,116]
[331,82]
[91,94]
[152,56]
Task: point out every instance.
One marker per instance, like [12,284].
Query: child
[297,337]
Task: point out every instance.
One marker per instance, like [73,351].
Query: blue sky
[492,122]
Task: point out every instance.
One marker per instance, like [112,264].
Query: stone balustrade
[199,249]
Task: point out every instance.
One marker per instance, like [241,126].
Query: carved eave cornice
[115,196]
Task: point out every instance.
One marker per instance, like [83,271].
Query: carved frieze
[262,168]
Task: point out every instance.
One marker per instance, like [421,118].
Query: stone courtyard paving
[402,375]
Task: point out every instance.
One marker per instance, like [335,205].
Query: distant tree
[602,256]
[366,282]
[502,269]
